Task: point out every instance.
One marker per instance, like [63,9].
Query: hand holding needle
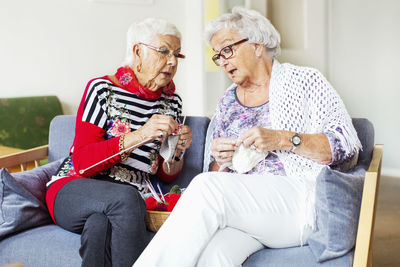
[116,154]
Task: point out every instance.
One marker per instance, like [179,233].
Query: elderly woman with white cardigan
[289,114]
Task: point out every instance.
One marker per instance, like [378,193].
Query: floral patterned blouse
[233,118]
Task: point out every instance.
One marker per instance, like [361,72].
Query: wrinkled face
[239,66]
[158,67]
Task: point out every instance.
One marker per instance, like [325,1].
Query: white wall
[56,47]
[356,44]
[364,67]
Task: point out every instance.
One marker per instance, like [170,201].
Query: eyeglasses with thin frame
[164,51]
[226,52]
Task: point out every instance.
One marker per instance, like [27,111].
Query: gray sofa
[48,245]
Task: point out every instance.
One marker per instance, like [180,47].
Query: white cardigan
[302,100]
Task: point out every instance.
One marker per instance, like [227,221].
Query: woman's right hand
[222,149]
[158,126]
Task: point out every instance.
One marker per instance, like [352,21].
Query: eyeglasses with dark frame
[226,52]
[164,51]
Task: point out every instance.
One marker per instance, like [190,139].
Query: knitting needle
[161,193]
[183,123]
[126,149]
[152,190]
[120,152]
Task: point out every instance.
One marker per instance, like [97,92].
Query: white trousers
[222,218]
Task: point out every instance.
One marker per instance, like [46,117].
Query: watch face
[296,140]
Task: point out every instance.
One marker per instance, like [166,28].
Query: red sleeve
[164,176]
[90,146]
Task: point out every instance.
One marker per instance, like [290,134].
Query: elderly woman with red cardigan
[121,121]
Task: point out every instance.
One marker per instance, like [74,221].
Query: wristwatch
[296,141]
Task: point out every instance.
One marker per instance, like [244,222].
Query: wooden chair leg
[23,166]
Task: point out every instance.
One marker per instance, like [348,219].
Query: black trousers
[110,218]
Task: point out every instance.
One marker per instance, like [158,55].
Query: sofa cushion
[338,201]
[366,134]
[44,246]
[61,128]
[207,151]
[294,256]
[22,199]
[194,155]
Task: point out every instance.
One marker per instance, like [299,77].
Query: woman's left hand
[185,138]
[260,139]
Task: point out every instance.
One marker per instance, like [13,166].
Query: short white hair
[145,32]
[248,24]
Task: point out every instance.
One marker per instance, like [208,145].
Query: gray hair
[145,32]
[248,24]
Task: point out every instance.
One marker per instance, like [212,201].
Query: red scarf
[127,78]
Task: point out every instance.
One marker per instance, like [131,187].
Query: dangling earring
[139,67]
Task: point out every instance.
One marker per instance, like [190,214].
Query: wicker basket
[155,218]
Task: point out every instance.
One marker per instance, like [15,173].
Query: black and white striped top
[108,106]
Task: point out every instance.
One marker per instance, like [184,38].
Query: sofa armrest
[23,157]
[363,247]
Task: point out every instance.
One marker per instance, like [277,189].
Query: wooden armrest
[21,158]
[363,248]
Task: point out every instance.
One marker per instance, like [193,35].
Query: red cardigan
[90,147]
